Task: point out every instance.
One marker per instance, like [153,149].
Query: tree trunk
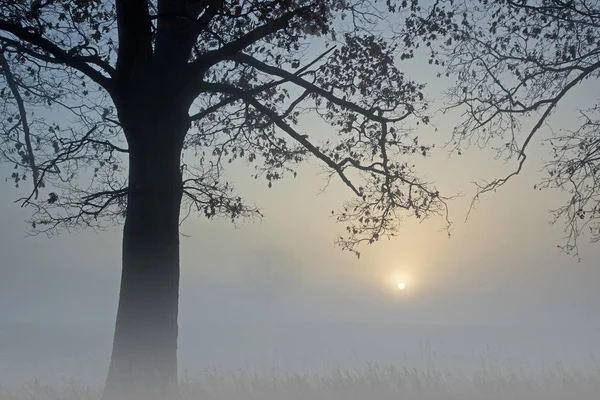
[144,357]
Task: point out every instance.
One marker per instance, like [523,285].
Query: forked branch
[14,88]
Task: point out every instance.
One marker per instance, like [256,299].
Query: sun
[399,282]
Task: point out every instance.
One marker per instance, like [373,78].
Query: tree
[160,95]
[518,60]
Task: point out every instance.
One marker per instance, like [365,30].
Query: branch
[261,66]
[79,63]
[230,49]
[12,84]
[97,208]
[108,144]
[232,99]
[278,120]
[496,183]
[257,90]
[73,148]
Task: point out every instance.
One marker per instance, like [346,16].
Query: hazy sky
[501,268]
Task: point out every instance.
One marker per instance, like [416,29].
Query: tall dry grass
[373,382]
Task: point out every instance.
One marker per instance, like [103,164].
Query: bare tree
[516,61]
[130,109]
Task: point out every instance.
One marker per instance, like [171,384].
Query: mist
[275,299]
[270,308]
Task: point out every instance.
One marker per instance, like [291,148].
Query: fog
[494,308]
[277,297]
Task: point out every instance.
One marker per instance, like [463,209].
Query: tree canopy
[130,109]
[253,70]
[515,62]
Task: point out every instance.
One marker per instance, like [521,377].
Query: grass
[373,382]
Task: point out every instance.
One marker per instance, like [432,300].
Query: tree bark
[144,357]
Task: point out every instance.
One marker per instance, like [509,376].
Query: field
[372,382]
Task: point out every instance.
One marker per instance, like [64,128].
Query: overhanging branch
[553,102]
[262,88]
[261,66]
[14,88]
[80,63]
[211,58]
[278,120]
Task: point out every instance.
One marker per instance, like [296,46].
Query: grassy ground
[373,382]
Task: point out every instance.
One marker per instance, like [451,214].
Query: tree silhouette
[129,110]
[514,60]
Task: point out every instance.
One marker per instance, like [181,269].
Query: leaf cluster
[249,71]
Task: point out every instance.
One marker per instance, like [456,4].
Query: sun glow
[400,280]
